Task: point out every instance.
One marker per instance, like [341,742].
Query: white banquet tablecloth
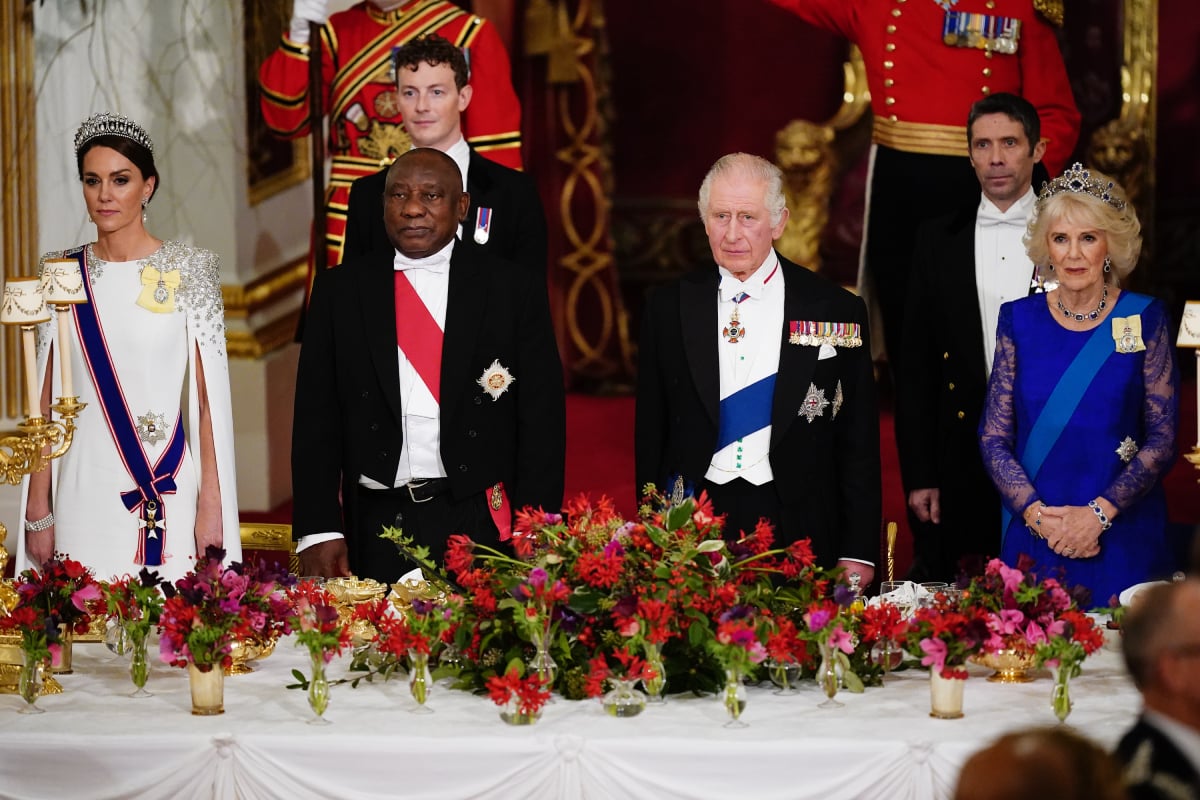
[94,742]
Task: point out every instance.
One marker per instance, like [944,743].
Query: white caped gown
[154,354]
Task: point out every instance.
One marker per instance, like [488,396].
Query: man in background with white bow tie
[965,265]
[429,394]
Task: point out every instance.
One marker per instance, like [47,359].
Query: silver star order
[814,404]
[1127,449]
[152,428]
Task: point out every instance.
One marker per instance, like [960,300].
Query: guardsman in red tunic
[359,84]
[927,61]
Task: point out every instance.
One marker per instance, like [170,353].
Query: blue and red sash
[152,481]
[1064,399]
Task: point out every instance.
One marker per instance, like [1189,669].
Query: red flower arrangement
[313,617]
[214,605]
[522,698]
[945,634]
[62,592]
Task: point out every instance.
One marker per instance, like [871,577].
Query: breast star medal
[152,428]
[1127,449]
[495,380]
[814,404]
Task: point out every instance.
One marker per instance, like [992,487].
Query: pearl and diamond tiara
[107,124]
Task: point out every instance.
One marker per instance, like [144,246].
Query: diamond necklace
[1088,316]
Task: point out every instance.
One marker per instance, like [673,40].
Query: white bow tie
[438,262]
[988,216]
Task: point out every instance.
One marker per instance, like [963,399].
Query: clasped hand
[1071,531]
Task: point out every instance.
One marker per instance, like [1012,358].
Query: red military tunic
[922,87]
[360,93]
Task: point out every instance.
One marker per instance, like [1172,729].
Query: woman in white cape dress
[147,355]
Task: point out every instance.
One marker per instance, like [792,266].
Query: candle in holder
[23,305]
[62,287]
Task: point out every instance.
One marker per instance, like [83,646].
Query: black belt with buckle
[422,491]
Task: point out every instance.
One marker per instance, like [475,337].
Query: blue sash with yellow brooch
[152,480]
[1072,385]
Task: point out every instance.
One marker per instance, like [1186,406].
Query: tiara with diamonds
[1080,181]
[106,124]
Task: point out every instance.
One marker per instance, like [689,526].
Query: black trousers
[429,523]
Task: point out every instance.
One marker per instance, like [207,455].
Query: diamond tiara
[1080,181]
[106,124]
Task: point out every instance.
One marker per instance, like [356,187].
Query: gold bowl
[247,649]
[350,592]
[1011,664]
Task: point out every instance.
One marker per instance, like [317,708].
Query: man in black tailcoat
[429,394]
[755,383]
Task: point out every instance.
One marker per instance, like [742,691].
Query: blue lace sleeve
[997,428]
[1160,415]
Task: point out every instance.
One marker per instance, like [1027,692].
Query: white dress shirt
[1002,270]
[754,357]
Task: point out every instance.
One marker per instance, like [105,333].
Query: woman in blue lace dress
[1082,407]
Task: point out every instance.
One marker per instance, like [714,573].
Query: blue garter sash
[152,480]
[745,411]
[1064,400]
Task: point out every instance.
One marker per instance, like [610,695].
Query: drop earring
[145,202]
[1107,264]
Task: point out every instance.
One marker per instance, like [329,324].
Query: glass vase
[1060,698]
[207,683]
[318,688]
[542,662]
[827,677]
[512,714]
[115,637]
[419,681]
[29,683]
[624,700]
[654,686]
[945,696]
[139,668]
[733,696]
[784,675]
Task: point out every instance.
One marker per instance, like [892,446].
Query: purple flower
[817,619]
[614,549]
[537,577]
[843,595]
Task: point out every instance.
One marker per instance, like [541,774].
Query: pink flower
[1009,621]
[629,627]
[56,655]
[842,640]
[1012,578]
[935,654]
[1034,634]
[80,598]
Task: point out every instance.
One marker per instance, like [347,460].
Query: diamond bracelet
[1105,524]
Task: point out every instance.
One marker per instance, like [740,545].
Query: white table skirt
[95,742]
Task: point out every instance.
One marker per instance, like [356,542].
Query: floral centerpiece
[314,619]
[1070,639]
[1021,609]
[740,646]
[944,634]
[587,583]
[213,606]
[51,602]
[136,604]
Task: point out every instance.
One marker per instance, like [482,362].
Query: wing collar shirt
[1183,737]
[754,357]
[1002,270]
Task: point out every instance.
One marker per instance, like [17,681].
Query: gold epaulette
[1052,10]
